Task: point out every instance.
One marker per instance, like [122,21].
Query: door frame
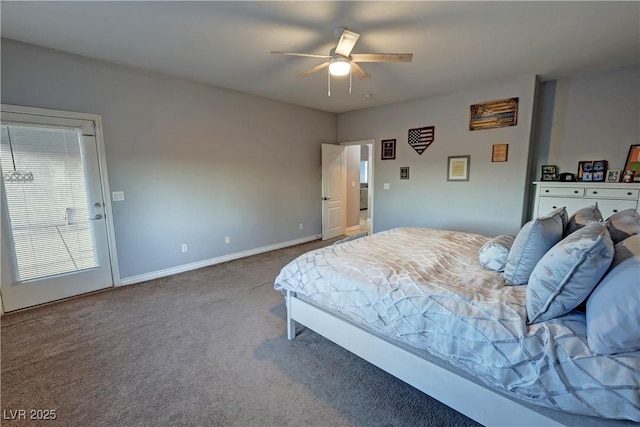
[372,147]
[104,178]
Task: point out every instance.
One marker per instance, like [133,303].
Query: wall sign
[421,138]
[493,114]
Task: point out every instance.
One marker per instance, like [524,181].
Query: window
[46,198]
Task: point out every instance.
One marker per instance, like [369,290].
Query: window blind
[46,198]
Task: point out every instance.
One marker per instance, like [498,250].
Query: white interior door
[333,189]
[54,232]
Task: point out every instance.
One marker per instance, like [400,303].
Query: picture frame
[633,162]
[458,168]
[493,114]
[613,175]
[628,176]
[599,170]
[585,170]
[499,152]
[404,172]
[549,173]
[388,151]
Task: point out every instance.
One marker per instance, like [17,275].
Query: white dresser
[611,197]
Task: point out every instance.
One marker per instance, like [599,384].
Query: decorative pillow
[566,275]
[613,312]
[563,214]
[582,217]
[626,249]
[493,254]
[534,239]
[623,224]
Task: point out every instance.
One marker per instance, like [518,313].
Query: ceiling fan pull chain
[329,83]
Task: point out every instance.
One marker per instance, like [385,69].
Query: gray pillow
[563,214]
[582,217]
[613,311]
[493,254]
[534,239]
[567,274]
[623,224]
[626,249]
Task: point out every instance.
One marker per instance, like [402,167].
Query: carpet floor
[202,348]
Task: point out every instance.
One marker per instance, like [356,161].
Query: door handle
[98,216]
[326,198]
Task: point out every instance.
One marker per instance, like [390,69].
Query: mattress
[425,288]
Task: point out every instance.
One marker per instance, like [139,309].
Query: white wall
[589,117]
[491,203]
[196,162]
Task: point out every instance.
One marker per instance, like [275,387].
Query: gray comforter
[425,288]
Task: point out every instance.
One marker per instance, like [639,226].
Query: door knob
[326,198]
[98,216]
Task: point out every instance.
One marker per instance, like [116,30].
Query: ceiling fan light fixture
[339,66]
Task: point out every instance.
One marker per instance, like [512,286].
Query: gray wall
[196,162]
[491,203]
[590,117]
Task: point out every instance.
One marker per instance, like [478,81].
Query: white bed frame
[486,406]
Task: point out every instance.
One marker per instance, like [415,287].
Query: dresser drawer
[562,191]
[613,193]
[608,207]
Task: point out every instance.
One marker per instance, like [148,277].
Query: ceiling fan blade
[346,43]
[307,55]
[382,57]
[314,69]
[359,72]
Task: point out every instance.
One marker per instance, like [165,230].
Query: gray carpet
[202,348]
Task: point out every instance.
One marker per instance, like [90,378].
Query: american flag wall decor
[421,138]
[493,114]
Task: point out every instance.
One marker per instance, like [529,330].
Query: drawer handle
[575,191]
[615,210]
[595,192]
[555,207]
[546,191]
[629,193]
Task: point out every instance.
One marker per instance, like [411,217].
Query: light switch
[386,185]
[117,196]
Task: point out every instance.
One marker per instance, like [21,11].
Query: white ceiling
[455,44]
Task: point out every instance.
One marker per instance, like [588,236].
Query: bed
[417,303]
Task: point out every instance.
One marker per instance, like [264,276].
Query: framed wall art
[500,152]
[388,149]
[458,168]
[633,162]
[421,138]
[493,114]
[404,172]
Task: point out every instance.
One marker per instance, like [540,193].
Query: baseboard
[212,261]
[353,228]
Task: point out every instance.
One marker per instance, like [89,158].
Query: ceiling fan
[341,61]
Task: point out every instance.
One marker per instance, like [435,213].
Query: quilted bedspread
[425,288]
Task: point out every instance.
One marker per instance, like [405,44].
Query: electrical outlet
[301,226]
[227,239]
[184,248]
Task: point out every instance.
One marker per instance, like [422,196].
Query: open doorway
[359,183]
